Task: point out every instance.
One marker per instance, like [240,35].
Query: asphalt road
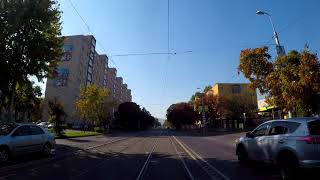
[157,154]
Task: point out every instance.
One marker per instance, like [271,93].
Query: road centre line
[198,158]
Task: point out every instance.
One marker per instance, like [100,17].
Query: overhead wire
[89,30]
[168,49]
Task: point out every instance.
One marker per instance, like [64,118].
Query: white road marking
[197,157]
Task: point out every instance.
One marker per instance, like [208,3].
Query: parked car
[17,139]
[290,144]
[45,125]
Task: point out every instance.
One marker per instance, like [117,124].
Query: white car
[16,139]
[45,125]
[291,144]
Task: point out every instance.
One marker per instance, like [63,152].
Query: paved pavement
[157,154]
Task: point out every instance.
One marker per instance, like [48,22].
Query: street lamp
[280,49]
[203,112]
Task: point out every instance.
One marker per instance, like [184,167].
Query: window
[278,129]
[91,55]
[262,130]
[90,62]
[292,126]
[22,131]
[314,127]
[34,130]
[6,129]
[92,49]
[89,77]
[236,89]
[93,42]
[90,70]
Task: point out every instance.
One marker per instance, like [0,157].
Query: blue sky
[215,31]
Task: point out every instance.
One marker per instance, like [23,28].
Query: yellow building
[232,89]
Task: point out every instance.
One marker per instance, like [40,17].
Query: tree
[181,114]
[30,43]
[292,82]
[130,117]
[57,116]
[93,105]
[207,88]
[27,100]
[193,97]
[236,105]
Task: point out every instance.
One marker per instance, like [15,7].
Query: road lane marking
[197,157]
[182,160]
[142,170]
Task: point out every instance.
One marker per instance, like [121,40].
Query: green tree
[181,114]
[207,88]
[57,116]
[193,97]
[93,105]
[30,43]
[27,100]
[130,116]
[291,82]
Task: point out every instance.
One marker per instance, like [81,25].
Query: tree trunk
[11,100]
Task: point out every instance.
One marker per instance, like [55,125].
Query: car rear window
[314,127]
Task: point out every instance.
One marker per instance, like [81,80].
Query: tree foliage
[93,105]
[57,116]
[181,114]
[27,100]
[207,88]
[291,82]
[255,66]
[131,117]
[30,43]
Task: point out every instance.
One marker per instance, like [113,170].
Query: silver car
[18,139]
[290,144]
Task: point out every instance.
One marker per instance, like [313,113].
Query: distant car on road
[291,144]
[16,139]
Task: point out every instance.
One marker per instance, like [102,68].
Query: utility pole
[203,114]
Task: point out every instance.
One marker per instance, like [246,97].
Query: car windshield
[5,129]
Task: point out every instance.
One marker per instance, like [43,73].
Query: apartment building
[79,66]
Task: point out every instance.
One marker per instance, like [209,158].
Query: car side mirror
[249,135]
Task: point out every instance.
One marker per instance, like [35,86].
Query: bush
[98,129]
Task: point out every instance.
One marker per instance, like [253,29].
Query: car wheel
[4,155]
[46,150]
[242,154]
[289,167]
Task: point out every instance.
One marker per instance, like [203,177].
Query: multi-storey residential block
[118,87]
[79,66]
[111,78]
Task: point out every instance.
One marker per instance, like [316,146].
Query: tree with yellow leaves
[93,105]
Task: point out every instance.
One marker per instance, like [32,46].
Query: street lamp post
[203,113]
[280,49]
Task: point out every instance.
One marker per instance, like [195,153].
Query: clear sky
[215,31]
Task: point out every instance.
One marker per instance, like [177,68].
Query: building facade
[231,89]
[79,66]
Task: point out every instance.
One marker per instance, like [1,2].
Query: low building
[230,89]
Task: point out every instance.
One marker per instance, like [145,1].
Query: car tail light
[310,140]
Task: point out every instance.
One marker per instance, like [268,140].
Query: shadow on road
[125,164]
